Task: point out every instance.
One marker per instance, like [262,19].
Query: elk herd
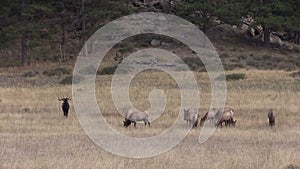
[214,117]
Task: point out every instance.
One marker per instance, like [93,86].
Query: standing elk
[210,115]
[65,105]
[134,116]
[271,117]
[191,116]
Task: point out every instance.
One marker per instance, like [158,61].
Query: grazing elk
[126,115]
[134,116]
[65,105]
[191,117]
[271,117]
[226,116]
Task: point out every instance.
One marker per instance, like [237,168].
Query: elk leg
[66,114]
[226,123]
[220,124]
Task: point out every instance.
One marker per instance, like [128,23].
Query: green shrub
[235,76]
[89,70]
[123,50]
[232,66]
[30,73]
[69,80]
[107,70]
[295,74]
[296,49]
[194,63]
[119,58]
[57,71]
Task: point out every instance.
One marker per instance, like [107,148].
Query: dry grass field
[35,135]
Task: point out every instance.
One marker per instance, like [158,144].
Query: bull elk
[271,117]
[65,105]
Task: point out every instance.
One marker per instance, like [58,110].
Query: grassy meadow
[35,135]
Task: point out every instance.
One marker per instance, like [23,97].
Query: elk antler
[64,98]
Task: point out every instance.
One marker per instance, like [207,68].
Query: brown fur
[227,117]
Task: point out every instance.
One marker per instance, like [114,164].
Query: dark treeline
[63,26]
[54,24]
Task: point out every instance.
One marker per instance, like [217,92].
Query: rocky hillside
[49,38]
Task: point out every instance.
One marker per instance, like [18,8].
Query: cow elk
[226,117]
[191,116]
[133,116]
[65,105]
[210,115]
[219,116]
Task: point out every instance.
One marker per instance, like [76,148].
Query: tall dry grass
[34,133]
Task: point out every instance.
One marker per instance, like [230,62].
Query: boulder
[155,42]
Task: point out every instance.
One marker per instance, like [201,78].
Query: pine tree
[198,12]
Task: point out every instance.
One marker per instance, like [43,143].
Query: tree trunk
[83,19]
[267,31]
[169,6]
[83,15]
[24,49]
[64,33]
[297,37]
[24,39]
[63,42]
[267,35]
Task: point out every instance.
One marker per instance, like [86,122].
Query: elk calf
[271,117]
[65,105]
